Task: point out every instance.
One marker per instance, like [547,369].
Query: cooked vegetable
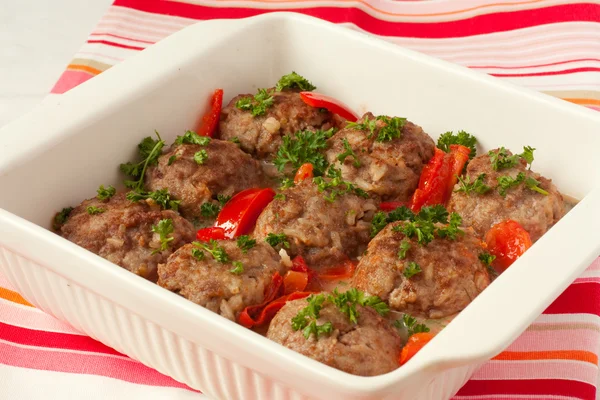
[200,157]
[334,106]
[294,81]
[304,172]
[160,197]
[463,138]
[208,234]
[149,150]
[239,215]
[105,193]
[343,271]
[507,241]
[391,205]
[415,343]
[258,104]
[164,228]
[295,281]
[303,147]
[211,118]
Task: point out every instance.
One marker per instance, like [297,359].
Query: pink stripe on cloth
[554,339]
[69,79]
[538,369]
[31,318]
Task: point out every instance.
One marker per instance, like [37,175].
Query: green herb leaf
[477,186]
[191,137]
[279,196]
[172,159]
[348,153]
[486,258]
[306,319]
[93,210]
[527,155]
[245,243]
[214,250]
[381,219]
[346,302]
[287,183]
[278,239]
[452,230]
[223,199]
[235,140]
[61,217]
[534,185]
[164,228]
[501,159]
[463,138]
[198,254]
[423,228]
[507,182]
[410,323]
[105,193]
[368,125]
[411,269]
[209,210]
[160,197]
[336,186]
[294,81]
[200,157]
[238,268]
[258,104]
[392,129]
[303,147]
[149,151]
[404,247]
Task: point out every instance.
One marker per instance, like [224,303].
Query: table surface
[38,39]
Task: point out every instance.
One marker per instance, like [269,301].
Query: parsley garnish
[198,254]
[191,137]
[336,186]
[306,319]
[477,186]
[92,210]
[294,81]
[258,104]
[160,197]
[463,138]
[279,196]
[404,247]
[366,125]
[501,159]
[392,129]
[214,249]
[61,217]
[381,219]
[534,185]
[276,239]
[245,243]
[235,140]
[223,199]
[238,268]
[527,155]
[172,159]
[411,269]
[506,182]
[422,226]
[287,183]
[105,193]
[486,258]
[348,153]
[452,230]
[164,228]
[209,210]
[200,157]
[303,147]
[346,302]
[149,150]
[410,323]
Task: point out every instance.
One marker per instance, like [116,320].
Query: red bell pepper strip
[299,265]
[294,281]
[439,177]
[335,106]
[210,120]
[250,319]
[415,343]
[206,234]
[344,271]
[304,172]
[240,213]
[507,240]
[391,205]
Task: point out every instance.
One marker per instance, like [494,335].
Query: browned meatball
[261,135]
[388,168]
[536,212]
[196,275]
[121,232]
[226,170]
[452,275]
[324,232]
[368,348]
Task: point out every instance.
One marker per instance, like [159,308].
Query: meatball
[451,274]
[121,231]
[261,135]
[389,168]
[368,348]
[223,287]
[324,232]
[224,170]
[535,211]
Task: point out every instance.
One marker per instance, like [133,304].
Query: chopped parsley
[287,183]
[160,197]
[164,228]
[534,184]
[507,182]
[294,81]
[223,199]
[392,129]
[411,269]
[245,243]
[105,193]
[149,150]
[209,210]
[198,254]
[348,153]
[527,155]
[257,104]
[93,210]
[486,258]
[346,302]
[61,217]
[422,226]
[336,186]
[306,319]
[172,159]
[381,219]
[463,138]
[410,323]
[303,147]
[238,268]
[235,140]
[214,250]
[277,239]
[366,125]
[501,159]
[279,196]
[404,247]
[477,186]
[191,137]
[200,157]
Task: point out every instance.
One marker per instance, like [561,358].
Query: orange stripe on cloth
[14,297]
[584,102]
[576,355]
[86,68]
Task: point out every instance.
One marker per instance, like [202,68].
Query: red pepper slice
[240,213]
[299,265]
[210,120]
[507,240]
[415,343]
[335,106]
[206,234]
[249,320]
[344,271]
[439,177]
[304,172]
[391,205]
[295,281]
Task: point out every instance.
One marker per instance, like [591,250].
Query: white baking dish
[59,154]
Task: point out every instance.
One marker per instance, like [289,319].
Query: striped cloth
[549,45]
